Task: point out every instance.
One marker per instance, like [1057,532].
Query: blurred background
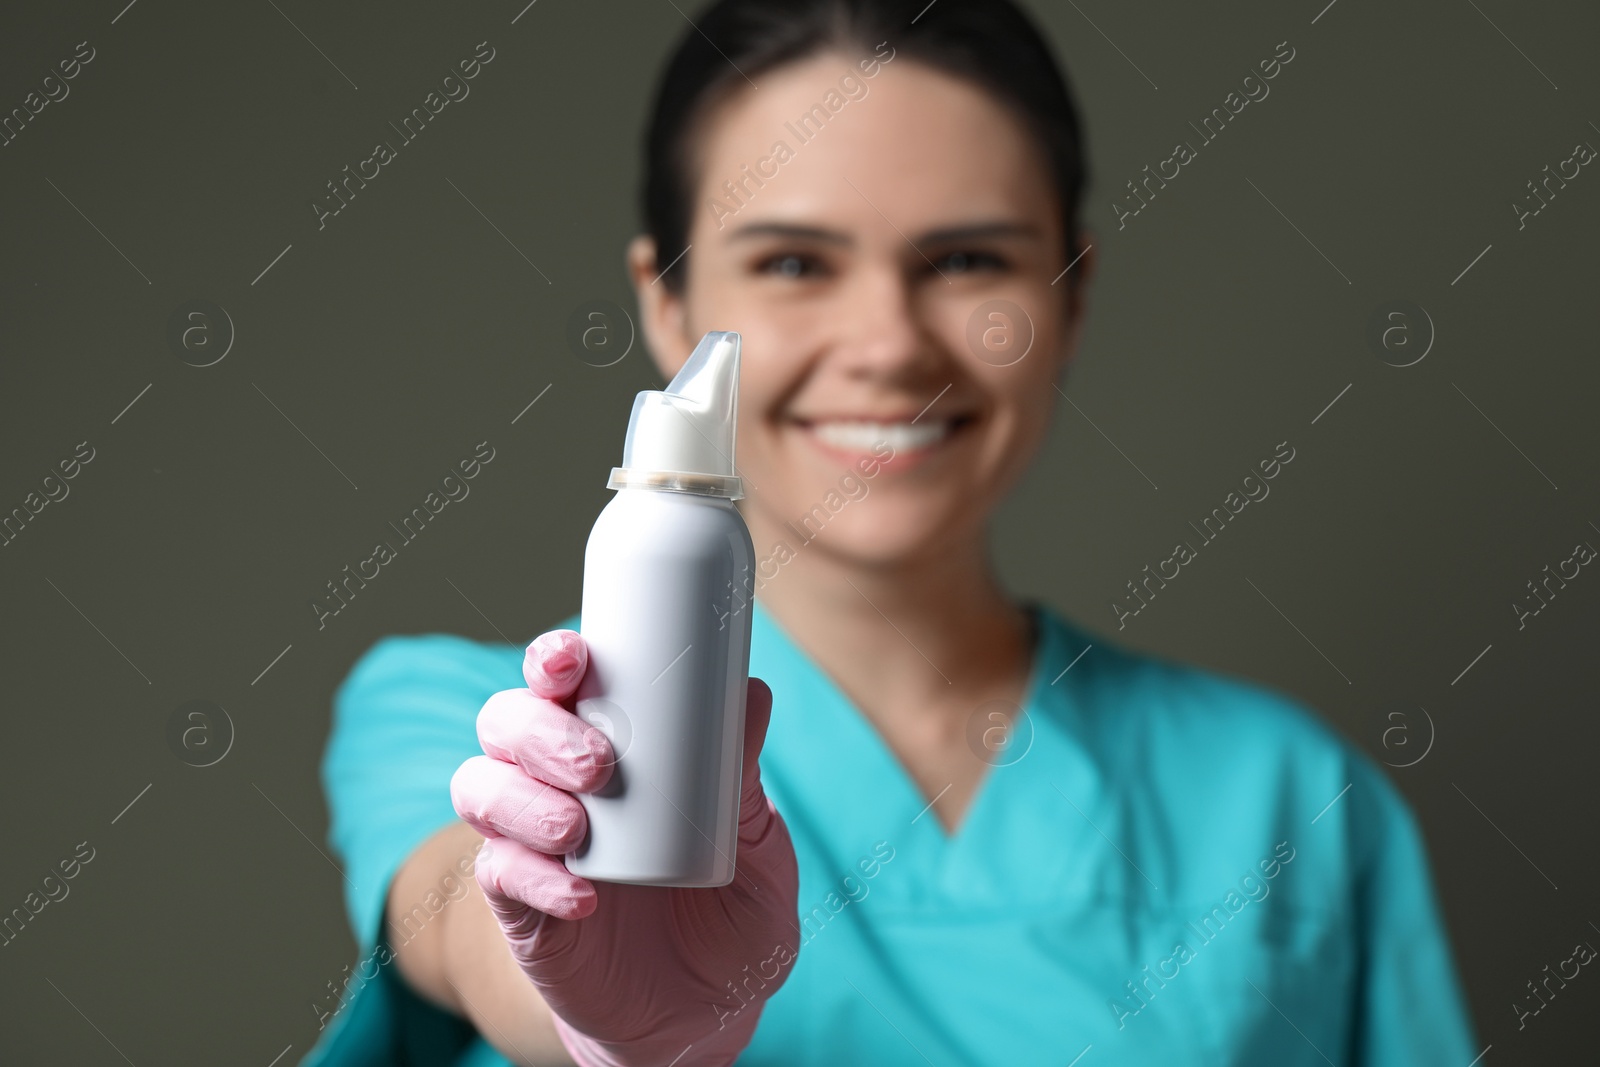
[247,395]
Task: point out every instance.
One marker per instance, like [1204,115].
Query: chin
[882,532]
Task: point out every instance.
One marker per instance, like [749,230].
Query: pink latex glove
[634,975]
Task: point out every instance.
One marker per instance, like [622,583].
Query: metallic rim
[729,488]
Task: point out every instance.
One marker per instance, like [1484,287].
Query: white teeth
[900,436]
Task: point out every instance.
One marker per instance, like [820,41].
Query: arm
[403,722]
[1411,1008]
[459,961]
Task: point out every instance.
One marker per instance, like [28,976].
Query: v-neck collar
[1040,832]
[817,730]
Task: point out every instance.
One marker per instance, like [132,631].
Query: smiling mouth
[858,435]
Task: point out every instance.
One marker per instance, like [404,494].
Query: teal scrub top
[1164,864]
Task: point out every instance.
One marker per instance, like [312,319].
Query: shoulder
[1229,764]
[412,692]
[437,658]
[1229,717]
[410,701]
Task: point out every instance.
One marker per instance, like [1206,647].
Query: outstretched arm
[459,960]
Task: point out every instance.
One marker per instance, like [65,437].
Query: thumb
[757,717]
[754,815]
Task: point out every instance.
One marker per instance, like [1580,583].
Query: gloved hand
[634,975]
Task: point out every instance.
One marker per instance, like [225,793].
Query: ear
[662,312]
[1078,278]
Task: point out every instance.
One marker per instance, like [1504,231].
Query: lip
[908,415]
[903,460]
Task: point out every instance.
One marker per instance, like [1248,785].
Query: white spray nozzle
[682,437]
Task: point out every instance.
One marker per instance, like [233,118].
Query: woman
[974,836]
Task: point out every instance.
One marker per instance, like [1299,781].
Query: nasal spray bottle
[666,618]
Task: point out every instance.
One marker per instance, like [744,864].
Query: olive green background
[416,324]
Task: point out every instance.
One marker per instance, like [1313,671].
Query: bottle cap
[681,438]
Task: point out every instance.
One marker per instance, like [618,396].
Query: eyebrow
[946,234]
[786,229]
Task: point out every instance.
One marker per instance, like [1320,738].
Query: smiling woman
[1058,807]
[852,281]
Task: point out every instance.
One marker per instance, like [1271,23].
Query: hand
[633,975]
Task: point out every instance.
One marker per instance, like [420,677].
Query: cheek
[1022,402]
[1010,324]
[1026,388]
[766,380]
[768,447]
[1033,397]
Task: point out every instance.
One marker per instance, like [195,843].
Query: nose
[884,336]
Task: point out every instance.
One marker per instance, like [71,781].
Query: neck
[931,634]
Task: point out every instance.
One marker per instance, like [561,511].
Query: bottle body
[666,618]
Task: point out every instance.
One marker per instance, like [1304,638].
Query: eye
[967,261]
[790,265]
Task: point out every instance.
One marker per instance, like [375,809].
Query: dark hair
[988,42]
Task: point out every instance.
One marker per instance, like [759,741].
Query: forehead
[907,147]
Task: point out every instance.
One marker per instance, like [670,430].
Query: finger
[497,798]
[515,877]
[555,663]
[546,740]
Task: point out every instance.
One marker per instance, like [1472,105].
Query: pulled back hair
[989,43]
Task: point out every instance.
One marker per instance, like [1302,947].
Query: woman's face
[860,274]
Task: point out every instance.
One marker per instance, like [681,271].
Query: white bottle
[666,617]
